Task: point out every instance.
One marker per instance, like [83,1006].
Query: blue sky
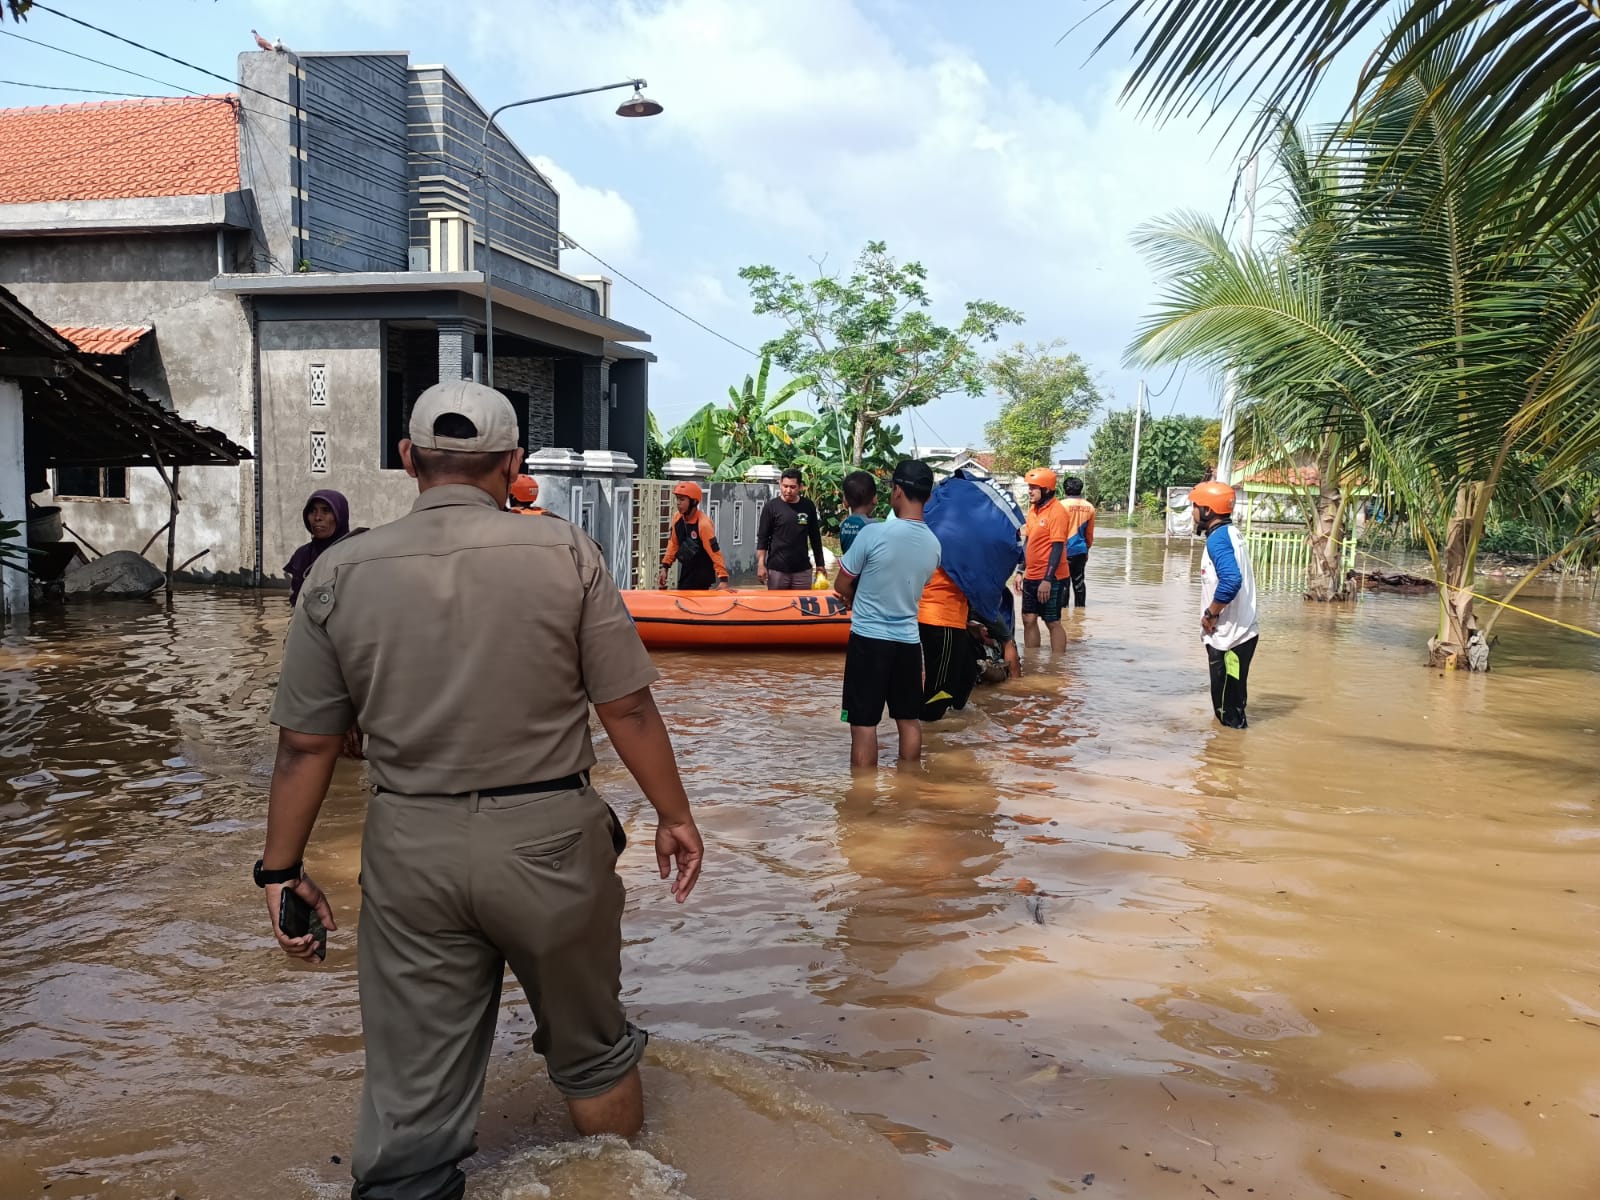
[964,137]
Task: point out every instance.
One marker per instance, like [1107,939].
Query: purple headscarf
[299,565]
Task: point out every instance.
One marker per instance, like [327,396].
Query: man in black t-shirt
[788,522]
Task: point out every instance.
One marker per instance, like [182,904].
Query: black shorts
[876,673]
[949,669]
[1050,611]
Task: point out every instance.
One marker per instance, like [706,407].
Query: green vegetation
[13,547]
[1047,396]
[1426,322]
[867,345]
[1524,64]
[1172,453]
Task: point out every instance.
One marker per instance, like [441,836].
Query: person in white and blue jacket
[1228,596]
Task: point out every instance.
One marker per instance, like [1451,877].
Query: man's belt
[567,783]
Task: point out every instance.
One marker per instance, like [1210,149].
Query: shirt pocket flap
[317,602]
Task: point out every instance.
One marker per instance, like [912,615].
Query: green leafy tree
[867,343]
[1172,453]
[1110,460]
[1047,396]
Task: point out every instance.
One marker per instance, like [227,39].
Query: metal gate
[652,525]
[1281,557]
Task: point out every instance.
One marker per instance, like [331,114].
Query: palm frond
[1512,61]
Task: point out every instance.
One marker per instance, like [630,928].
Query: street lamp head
[638,105]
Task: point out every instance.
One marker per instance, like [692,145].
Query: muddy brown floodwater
[1098,946]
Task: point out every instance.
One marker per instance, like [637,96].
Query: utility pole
[1230,383]
[1133,475]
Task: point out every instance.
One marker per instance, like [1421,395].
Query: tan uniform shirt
[467,643]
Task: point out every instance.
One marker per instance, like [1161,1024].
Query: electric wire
[337,124]
[37,7]
[97,62]
[52,87]
[244,87]
[568,238]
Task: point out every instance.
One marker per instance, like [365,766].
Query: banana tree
[754,427]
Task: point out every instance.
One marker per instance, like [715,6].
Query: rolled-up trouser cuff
[598,1075]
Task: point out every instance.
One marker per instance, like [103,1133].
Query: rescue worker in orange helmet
[692,544]
[1045,570]
[1080,537]
[1228,602]
[525,496]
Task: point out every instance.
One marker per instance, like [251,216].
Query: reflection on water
[1094,944]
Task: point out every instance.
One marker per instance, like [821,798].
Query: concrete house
[292,265]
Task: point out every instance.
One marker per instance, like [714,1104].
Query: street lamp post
[636,106]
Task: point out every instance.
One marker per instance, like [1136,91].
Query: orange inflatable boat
[753,619]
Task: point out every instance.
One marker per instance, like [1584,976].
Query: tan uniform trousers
[454,889]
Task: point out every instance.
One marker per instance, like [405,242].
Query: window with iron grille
[317,385]
[319,452]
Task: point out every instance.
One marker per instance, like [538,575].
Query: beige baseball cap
[487,410]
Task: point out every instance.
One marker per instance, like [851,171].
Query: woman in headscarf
[327,519]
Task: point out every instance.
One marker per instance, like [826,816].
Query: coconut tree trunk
[1325,579]
[1459,645]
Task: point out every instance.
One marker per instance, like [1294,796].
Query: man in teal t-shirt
[881,577]
[861,498]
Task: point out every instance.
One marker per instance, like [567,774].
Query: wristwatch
[282,875]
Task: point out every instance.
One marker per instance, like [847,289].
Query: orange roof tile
[122,149]
[103,339]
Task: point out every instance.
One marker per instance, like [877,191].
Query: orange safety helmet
[1041,477]
[1218,497]
[689,489]
[525,488]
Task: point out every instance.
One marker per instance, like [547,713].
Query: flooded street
[1097,946]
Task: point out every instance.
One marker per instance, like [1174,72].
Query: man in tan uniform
[484,846]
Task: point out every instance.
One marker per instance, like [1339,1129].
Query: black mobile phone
[296,918]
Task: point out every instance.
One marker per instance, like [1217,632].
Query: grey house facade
[335,281]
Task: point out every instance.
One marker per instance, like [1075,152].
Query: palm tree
[1424,323]
[1290,406]
[1531,65]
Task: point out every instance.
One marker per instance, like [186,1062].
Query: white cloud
[599,218]
[705,292]
[823,128]
[816,120]
[771,206]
